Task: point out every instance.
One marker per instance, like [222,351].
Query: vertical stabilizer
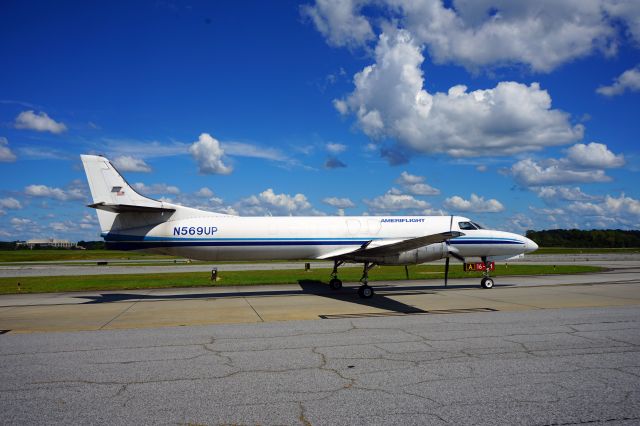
[112,194]
[109,187]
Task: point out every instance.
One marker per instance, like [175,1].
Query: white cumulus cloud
[18,221]
[541,34]
[6,155]
[628,81]
[583,164]
[39,122]
[10,203]
[594,155]
[270,203]
[127,163]
[156,188]
[474,204]
[339,203]
[395,201]
[555,193]
[415,184]
[389,100]
[339,22]
[336,148]
[68,194]
[208,154]
[529,172]
[204,192]
[612,211]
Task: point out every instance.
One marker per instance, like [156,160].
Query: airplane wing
[391,246]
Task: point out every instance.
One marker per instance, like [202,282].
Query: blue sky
[521,116]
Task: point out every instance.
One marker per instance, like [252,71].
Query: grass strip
[38,255]
[231,278]
[53,255]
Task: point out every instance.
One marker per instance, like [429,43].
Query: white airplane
[130,221]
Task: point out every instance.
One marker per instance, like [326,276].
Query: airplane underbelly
[244,252]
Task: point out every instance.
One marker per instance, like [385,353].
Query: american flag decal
[118,190]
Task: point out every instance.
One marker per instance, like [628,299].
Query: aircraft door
[354,226]
[373,226]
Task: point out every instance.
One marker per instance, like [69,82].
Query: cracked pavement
[533,367]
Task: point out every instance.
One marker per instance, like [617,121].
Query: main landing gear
[486,281]
[335,283]
[365,291]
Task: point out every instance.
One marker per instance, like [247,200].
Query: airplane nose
[530,246]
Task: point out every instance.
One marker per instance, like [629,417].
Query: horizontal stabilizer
[128,208]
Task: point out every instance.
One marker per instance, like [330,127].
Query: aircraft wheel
[365,292]
[335,284]
[486,282]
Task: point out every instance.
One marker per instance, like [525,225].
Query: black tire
[365,292]
[486,283]
[335,284]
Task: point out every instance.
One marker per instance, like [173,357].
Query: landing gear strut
[335,283]
[365,291]
[486,281]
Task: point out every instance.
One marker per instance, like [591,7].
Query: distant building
[48,242]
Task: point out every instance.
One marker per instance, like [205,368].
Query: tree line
[577,238]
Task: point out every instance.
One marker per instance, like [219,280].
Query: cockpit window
[466,226]
[477,225]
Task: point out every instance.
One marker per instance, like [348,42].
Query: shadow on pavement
[307,287]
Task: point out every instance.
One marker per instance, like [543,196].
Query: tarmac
[533,350]
[117,267]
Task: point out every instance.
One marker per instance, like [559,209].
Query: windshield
[466,226]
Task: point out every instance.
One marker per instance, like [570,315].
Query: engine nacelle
[411,257]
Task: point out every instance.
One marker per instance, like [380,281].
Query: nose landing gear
[486,281]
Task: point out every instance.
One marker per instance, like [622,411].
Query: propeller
[450,253]
[446,262]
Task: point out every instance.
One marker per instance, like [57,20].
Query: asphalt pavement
[535,367]
[542,350]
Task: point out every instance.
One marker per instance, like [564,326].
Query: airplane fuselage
[221,238]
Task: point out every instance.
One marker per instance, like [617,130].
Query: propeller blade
[446,271]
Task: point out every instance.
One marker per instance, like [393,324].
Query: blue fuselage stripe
[133,242]
[130,245]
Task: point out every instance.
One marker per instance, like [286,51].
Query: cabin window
[477,225]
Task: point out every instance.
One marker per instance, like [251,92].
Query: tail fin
[112,194]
